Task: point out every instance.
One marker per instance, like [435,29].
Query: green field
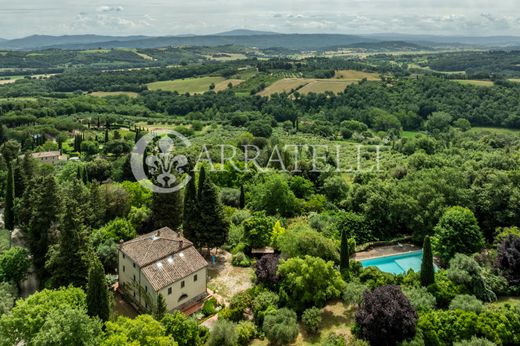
[482,83]
[188,85]
[114,93]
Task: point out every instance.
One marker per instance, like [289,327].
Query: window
[146,288]
[134,277]
[182,284]
[184,296]
[195,277]
[169,290]
[123,269]
[124,256]
[134,265]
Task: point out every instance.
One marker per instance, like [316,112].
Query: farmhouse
[51,157]
[162,262]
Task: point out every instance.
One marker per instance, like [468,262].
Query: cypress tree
[427,269]
[38,217]
[167,210]
[202,180]
[242,201]
[191,215]
[106,134]
[160,308]
[97,292]
[213,226]
[9,199]
[344,255]
[68,261]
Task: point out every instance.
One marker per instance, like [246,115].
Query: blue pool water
[396,264]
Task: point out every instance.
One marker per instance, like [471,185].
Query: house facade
[162,262]
[51,157]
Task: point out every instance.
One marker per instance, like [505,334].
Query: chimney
[180,244]
[158,234]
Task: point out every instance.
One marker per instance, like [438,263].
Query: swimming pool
[396,264]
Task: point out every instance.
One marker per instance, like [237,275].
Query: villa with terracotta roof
[162,262]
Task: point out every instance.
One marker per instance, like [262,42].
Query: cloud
[109,8]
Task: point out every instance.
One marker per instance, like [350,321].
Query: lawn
[188,85]
[482,83]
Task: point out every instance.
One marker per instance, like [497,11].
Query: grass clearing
[93,51]
[226,56]
[114,93]
[188,85]
[497,130]
[356,75]
[481,83]
[514,80]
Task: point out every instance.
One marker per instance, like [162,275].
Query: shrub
[208,308]
[457,232]
[280,327]
[311,319]
[444,289]
[373,277]
[223,334]
[421,299]
[386,316]
[466,302]
[266,270]
[309,281]
[334,340]
[353,292]
[185,331]
[474,341]
[241,260]
[263,303]
[301,242]
[246,331]
[508,258]
[443,327]
[465,271]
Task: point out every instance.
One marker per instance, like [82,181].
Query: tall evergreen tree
[213,227]
[167,210]
[344,253]
[191,216]
[39,213]
[160,308]
[427,269]
[202,180]
[98,303]
[242,201]
[68,261]
[9,199]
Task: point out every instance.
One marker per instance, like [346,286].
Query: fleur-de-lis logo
[163,166]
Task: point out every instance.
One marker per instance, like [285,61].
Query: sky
[172,17]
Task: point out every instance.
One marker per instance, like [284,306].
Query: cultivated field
[188,85]
[224,84]
[355,75]
[113,93]
[483,83]
[7,81]
[322,85]
[285,85]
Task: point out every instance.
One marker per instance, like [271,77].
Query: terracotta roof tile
[164,256]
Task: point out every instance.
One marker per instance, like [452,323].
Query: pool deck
[385,251]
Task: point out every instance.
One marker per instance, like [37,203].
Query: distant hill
[260,39]
[46,41]
[482,41]
[245,32]
[289,41]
